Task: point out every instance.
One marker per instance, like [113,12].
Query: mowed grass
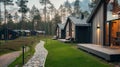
[67,55]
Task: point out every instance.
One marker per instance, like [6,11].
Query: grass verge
[28,54]
[67,55]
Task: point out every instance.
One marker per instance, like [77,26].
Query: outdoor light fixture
[114,15]
[98,27]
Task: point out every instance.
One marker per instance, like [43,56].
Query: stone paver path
[6,59]
[39,57]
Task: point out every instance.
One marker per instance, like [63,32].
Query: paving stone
[39,57]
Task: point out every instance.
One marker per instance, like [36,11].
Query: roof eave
[94,11]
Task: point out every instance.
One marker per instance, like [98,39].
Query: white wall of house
[98,32]
[73,30]
[59,33]
[67,31]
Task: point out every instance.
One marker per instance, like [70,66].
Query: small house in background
[60,31]
[26,32]
[7,34]
[40,32]
[33,33]
[77,29]
[23,32]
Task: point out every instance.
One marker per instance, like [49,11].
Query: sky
[57,3]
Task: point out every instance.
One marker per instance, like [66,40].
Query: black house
[23,32]
[78,30]
[7,34]
[33,33]
[60,31]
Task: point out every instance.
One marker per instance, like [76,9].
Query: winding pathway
[39,57]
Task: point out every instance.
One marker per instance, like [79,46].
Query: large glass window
[113,33]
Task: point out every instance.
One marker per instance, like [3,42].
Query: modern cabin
[104,25]
[77,29]
[33,33]
[8,34]
[23,32]
[60,31]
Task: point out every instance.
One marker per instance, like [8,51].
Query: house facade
[113,24]
[77,29]
[8,34]
[102,23]
[60,31]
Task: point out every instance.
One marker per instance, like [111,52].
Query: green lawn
[67,55]
[32,41]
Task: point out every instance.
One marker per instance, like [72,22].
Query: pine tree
[23,9]
[6,2]
[32,12]
[0,14]
[60,10]
[45,3]
[52,11]
[77,7]
[16,16]
[92,4]
[10,23]
[68,8]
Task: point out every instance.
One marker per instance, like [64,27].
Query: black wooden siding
[7,34]
[83,34]
[63,34]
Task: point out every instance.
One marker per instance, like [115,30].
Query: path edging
[39,57]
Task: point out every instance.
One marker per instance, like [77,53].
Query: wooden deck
[107,53]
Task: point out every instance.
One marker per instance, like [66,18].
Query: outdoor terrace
[107,53]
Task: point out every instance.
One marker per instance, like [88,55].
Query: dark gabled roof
[109,13]
[78,21]
[22,30]
[94,11]
[2,29]
[61,26]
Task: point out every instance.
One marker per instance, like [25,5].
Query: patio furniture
[117,41]
[118,38]
[55,37]
[70,39]
[118,34]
